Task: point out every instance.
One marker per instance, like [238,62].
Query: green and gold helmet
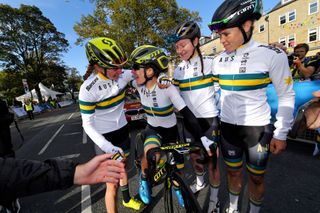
[149,56]
[105,52]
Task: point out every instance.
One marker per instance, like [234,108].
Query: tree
[74,81]
[29,42]
[134,22]
[10,84]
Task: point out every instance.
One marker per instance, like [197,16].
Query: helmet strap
[194,48]
[146,77]
[246,38]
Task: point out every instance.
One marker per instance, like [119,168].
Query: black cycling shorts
[119,138]
[160,136]
[210,126]
[254,141]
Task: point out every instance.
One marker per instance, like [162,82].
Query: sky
[65,13]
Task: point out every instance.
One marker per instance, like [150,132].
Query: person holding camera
[299,63]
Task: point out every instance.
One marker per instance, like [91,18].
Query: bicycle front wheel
[191,204]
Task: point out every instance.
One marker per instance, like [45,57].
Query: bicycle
[166,172]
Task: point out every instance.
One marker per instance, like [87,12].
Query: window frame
[284,38]
[295,15]
[313,30]
[294,40]
[264,28]
[285,19]
[309,5]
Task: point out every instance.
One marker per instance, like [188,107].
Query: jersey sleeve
[175,97]
[282,80]
[87,109]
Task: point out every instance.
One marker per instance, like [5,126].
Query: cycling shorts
[160,136]
[119,138]
[210,127]
[254,141]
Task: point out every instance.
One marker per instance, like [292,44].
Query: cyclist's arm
[189,118]
[87,109]
[283,83]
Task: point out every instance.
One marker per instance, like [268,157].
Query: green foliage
[29,42]
[10,85]
[134,22]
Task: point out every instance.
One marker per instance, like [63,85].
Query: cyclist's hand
[277,146]
[110,148]
[206,143]
[163,81]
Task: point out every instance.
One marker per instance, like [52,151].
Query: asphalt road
[292,179]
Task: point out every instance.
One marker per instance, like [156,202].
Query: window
[282,19]
[312,34]
[282,40]
[292,16]
[261,28]
[313,7]
[214,50]
[291,40]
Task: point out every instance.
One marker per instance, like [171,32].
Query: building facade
[290,22]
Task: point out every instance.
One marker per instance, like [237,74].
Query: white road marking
[50,141]
[84,137]
[85,199]
[70,116]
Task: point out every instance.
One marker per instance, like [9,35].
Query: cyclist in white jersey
[148,63]
[197,85]
[101,100]
[245,69]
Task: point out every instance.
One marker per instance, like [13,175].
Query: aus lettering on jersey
[94,81]
[227,59]
[277,50]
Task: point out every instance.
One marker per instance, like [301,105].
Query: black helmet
[189,29]
[233,13]
[148,55]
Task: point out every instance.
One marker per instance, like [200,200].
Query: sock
[233,200]
[214,193]
[255,206]
[125,193]
[200,179]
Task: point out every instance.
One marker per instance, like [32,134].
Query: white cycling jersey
[101,105]
[197,91]
[244,75]
[159,104]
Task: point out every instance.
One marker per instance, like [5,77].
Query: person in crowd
[195,80]
[149,62]
[245,69]
[299,67]
[101,100]
[28,107]
[312,115]
[20,177]
[314,67]
[6,118]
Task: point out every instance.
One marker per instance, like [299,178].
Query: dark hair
[90,69]
[302,45]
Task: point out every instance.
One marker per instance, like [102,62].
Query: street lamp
[267,20]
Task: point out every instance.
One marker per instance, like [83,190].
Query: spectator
[6,118]
[314,67]
[299,67]
[28,107]
[20,178]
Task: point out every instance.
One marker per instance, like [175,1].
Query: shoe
[179,197]
[15,207]
[133,204]
[230,210]
[144,192]
[195,187]
[214,207]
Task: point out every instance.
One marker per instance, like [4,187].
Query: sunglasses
[137,66]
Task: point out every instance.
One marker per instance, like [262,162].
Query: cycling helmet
[150,56]
[185,30]
[105,52]
[233,13]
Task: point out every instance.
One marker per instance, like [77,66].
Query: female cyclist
[101,100]
[195,80]
[245,69]
[148,63]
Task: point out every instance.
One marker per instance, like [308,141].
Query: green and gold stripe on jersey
[196,82]
[159,111]
[89,107]
[240,82]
